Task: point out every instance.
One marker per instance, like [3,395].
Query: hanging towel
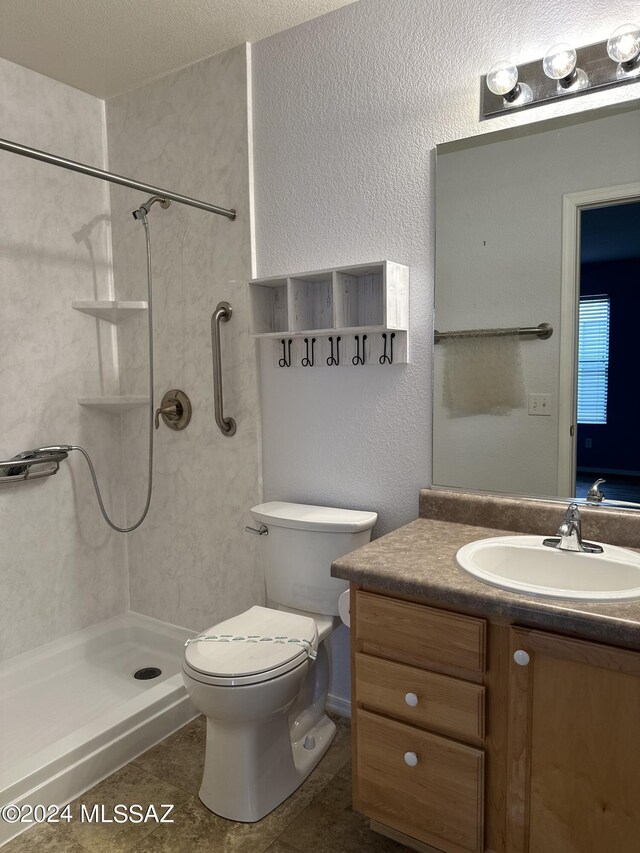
[483,375]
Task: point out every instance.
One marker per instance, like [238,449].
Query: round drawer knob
[521,657]
[411,759]
[411,699]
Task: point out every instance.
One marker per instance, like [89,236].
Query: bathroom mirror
[539,225]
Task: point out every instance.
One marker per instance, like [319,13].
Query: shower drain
[147,672]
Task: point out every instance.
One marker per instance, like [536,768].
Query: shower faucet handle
[175,410]
[171,411]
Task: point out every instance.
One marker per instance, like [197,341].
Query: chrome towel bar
[543,331]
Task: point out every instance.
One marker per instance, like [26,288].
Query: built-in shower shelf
[114,404]
[110,310]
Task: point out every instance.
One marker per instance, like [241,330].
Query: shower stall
[88,616]
[86,712]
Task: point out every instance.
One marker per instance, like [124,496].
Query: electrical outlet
[539,404]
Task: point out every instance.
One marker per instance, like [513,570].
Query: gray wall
[347,111]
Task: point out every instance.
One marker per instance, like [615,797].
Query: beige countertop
[418,560]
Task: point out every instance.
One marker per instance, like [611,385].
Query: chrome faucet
[569,536]
[570,531]
[594,494]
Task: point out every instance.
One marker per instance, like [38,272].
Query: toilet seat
[259,646]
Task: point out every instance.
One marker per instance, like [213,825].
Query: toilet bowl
[247,688]
[262,678]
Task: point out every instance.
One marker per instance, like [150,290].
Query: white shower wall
[190,563]
[61,568]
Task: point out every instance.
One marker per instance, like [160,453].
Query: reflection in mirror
[609,308]
[534,223]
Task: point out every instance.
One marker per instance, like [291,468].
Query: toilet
[262,678]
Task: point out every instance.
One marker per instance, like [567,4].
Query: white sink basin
[524,564]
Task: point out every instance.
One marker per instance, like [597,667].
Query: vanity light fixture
[623,48]
[563,72]
[502,79]
[559,64]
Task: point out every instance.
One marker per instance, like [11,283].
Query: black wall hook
[359,359]
[384,358]
[334,359]
[283,362]
[306,361]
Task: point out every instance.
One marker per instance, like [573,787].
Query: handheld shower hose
[140,214]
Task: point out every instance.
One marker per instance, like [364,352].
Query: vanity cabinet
[479,736]
[419,721]
[574,746]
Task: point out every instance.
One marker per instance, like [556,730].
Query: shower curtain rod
[54,160]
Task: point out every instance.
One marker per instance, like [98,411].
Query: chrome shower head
[144,209]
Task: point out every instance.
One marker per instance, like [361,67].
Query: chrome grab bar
[33,464]
[222,314]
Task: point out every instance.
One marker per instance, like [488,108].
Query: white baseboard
[339,706]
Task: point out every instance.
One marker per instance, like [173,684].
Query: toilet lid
[256,647]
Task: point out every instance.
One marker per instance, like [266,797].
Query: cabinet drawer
[439,801]
[447,704]
[414,633]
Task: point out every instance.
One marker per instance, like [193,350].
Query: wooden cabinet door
[574,746]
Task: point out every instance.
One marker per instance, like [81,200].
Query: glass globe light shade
[502,77]
[624,43]
[559,61]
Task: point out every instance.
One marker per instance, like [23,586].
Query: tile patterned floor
[317,818]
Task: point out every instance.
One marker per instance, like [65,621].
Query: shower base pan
[71,711]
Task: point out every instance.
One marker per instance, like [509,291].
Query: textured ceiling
[110,46]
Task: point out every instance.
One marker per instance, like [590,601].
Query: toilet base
[234,790]
[306,758]
[256,734]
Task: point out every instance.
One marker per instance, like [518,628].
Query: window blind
[593,359]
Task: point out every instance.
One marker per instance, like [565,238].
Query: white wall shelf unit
[111,310]
[352,315]
[116,405]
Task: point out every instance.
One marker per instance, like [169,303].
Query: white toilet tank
[302,543]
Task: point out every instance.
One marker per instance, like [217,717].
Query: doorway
[598,407]
[608,406]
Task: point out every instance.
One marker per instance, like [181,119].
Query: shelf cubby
[372,296]
[269,306]
[359,298]
[311,302]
